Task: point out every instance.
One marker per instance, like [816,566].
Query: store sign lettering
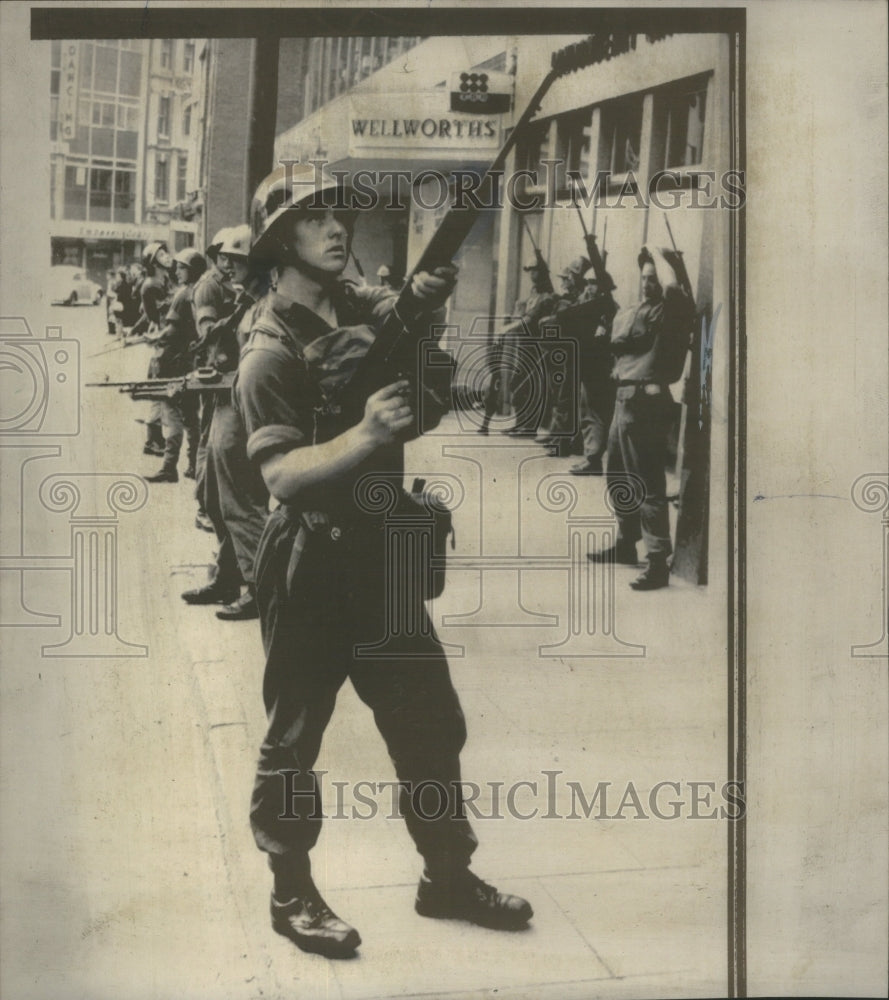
[424,128]
[68,93]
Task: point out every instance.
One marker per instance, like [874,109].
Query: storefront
[99,248]
[411,149]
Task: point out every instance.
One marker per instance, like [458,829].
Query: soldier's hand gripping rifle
[200,380]
[394,353]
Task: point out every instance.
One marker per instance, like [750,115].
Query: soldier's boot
[623,552]
[655,576]
[300,913]
[464,896]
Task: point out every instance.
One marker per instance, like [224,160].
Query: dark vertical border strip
[737,493]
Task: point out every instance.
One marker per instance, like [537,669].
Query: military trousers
[637,443]
[321,602]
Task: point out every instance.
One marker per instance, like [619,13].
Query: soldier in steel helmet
[172,356]
[155,293]
[235,494]
[321,572]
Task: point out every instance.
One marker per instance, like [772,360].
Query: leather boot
[300,913]
[623,552]
[655,576]
[464,896]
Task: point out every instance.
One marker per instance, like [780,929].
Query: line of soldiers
[190,306]
[626,362]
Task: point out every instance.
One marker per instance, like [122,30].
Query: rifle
[604,280]
[546,282]
[393,354]
[200,380]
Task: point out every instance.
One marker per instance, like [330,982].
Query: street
[129,866]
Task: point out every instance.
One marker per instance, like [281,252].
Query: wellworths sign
[380,126]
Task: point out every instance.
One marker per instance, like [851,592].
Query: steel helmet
[214,244]
[193,260]
[149,254]
[577,268]
[237,241]
[294,185]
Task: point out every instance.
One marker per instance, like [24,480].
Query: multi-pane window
[166,53]
[186,121]
[163,116]
[188,57]
[100,186]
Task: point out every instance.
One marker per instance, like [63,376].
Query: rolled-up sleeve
[274,399]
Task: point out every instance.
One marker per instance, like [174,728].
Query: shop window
[621,139]
[75,192]
[161,179]
[182,241]
[163,117]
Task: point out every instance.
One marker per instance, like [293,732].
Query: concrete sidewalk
[129,869]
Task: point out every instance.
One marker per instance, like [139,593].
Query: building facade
[124,141]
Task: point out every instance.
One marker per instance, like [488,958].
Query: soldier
[531,310]
[213,301]
[321,568]
[172,356]
[235,495]
[596,404]
[154,293]
[650,342]
[560,398]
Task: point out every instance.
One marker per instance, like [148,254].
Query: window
[163,116]
[124,196]
[161,179]
[105,76]
[181,176]
[188,58]
[686,108]
[186,121]
[131,73]
[166,54]
[75,192]
[100,194]
[573,143]
[621,139]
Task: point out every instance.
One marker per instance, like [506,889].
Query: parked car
[70,285]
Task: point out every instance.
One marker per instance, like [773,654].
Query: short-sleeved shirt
[213,297]
[172,350]
[651,339]
[291,358]
[155,294]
